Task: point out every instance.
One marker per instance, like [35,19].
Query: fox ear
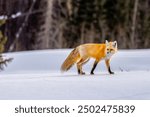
[106,42]
[115,44]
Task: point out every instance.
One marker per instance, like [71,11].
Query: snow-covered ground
[36,75]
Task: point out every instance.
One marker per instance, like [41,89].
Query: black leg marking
[109,70]
[78,71]
[94,66]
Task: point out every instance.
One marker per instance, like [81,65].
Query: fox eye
[109,49]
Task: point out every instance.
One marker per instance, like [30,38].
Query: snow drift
[51,61]
[36,75]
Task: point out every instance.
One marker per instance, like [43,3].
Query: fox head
[111,48]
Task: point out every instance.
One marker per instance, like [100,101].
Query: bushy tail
[70,60]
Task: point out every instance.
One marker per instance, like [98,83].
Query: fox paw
[82,73]
[92,73]
[112,73]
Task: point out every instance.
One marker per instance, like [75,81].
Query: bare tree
[17,36]
[133,28]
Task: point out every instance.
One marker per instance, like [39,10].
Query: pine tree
[3,39]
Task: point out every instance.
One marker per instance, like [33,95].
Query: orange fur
[81,54]
[70,60]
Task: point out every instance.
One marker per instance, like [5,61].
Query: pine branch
[3,63]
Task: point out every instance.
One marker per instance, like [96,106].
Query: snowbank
[51,60]
[36,75]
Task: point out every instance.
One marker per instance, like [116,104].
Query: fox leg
[94,66]
[107,61]
[79,65]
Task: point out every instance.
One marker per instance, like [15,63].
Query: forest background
[55,24]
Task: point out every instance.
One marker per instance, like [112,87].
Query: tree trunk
[133,28]
[45,28]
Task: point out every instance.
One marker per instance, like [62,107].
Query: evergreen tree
[68,23]
[3,39]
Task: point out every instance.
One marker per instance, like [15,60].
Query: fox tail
[70,60]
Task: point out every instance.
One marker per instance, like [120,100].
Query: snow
[16,15]
[36,75]
[13,16]
[3,17]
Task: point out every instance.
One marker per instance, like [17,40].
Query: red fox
[81,54]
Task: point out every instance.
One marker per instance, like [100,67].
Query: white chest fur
[108,56]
